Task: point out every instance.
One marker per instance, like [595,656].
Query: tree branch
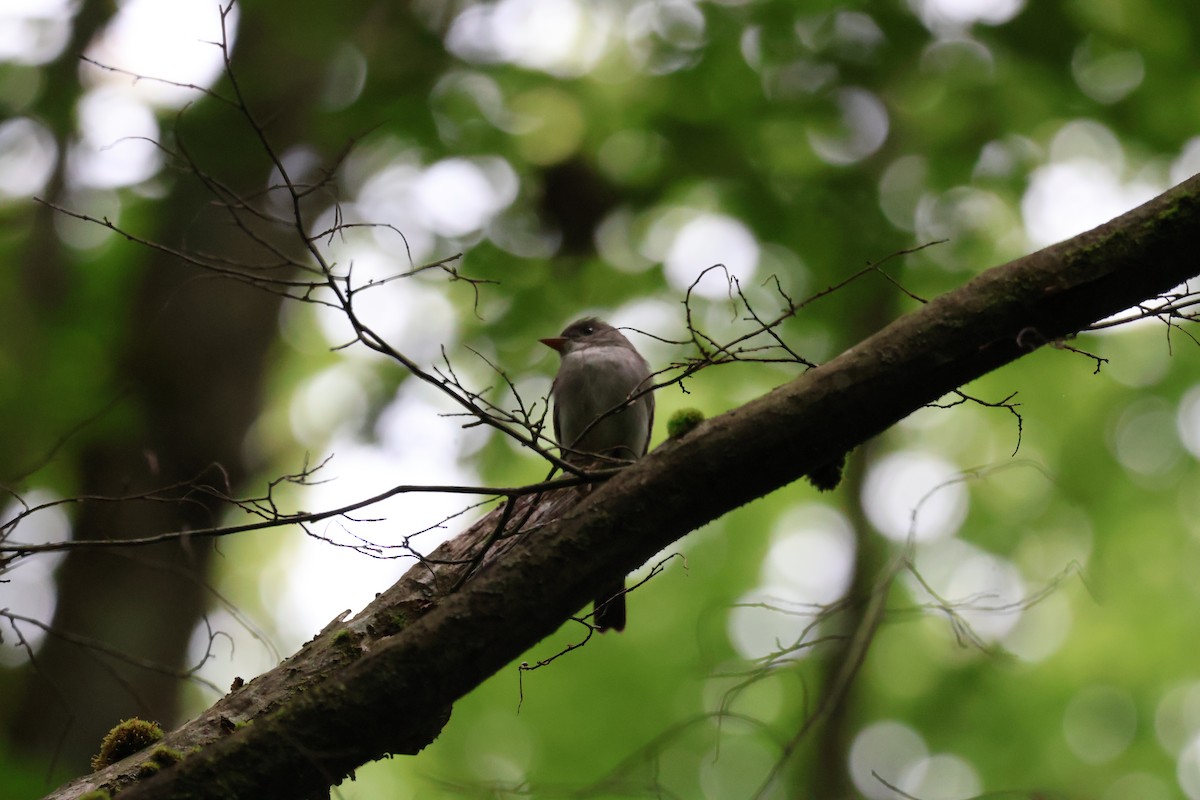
[371,689]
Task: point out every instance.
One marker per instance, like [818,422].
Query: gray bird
[594,416]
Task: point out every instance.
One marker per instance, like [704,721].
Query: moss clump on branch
[165,756]
[347,641]
[683,422]
[125,739]
[387,623]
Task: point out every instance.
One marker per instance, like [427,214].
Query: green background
[578,165]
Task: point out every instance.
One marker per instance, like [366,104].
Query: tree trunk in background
[192,366]
[826,770]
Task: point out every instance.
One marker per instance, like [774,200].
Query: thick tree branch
[391,690]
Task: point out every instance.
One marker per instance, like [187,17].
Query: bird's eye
[589,330]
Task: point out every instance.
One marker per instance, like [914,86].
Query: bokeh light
[914,495]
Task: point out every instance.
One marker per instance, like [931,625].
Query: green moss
[389,624]
[147,768]
[683,421]
[166,756]
[125,739]
[98,794]
[347,641]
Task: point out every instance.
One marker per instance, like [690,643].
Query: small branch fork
[264,507]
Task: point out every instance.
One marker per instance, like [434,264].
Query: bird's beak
[557,343]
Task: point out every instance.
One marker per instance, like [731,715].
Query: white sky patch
[30,590]
[550,35]
[27,156]
[1087,139]
[34,31]
[324,579]
[330,401]
[943,775]
[172,41]
[1188,163]
[1064,200]
[954,15]
[458,196]
[913,493]
[812,553]
[387,197]
[230,647]
[415,446]
[704,240]
[809,565]
[452,198]
[414,315]
[117,141]
[770,619]
[148,46]
[1082,186]
[888,749]
[565,38]
[655,316]
[984,590]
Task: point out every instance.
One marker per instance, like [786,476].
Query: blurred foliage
[837,134]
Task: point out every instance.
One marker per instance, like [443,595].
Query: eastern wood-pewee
[596,414]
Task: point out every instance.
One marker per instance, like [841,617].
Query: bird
[602,408]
